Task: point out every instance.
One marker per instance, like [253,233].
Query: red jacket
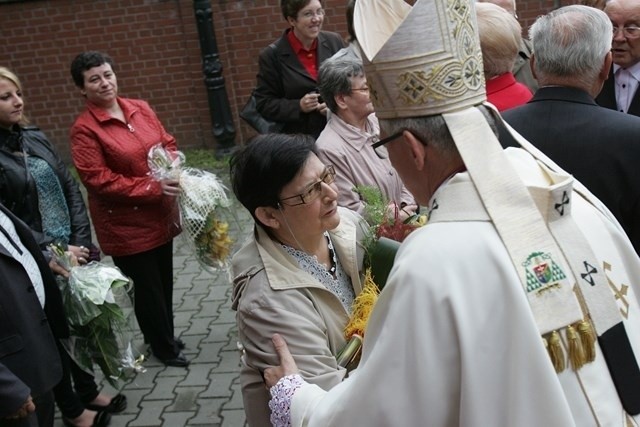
[129,212]
[505,92]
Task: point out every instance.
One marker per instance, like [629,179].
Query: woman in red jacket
[135,216]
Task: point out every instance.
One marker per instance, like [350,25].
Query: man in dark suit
[30,314]
[620,92]
[600,147]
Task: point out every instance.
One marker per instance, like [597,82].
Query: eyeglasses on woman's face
[313,191]
[310,14]
[361,89]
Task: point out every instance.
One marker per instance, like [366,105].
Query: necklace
[332,255]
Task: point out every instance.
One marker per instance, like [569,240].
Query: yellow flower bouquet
[381,244]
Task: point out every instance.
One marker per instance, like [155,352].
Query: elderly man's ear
[418,149]
[606,67]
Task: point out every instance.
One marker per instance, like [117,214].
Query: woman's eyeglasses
[311,14]
[361,89]
[314,190]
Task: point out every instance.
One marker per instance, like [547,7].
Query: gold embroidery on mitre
[450,79]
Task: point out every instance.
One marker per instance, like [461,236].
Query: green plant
[204,158]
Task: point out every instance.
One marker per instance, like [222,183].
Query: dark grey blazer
[600,147]
[283,80]
[29,360]
[607,97]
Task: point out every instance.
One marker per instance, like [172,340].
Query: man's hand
[26,408]
[287,364]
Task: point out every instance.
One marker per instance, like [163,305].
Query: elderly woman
[288,69]
[500,41]
[300,270]
[346,140]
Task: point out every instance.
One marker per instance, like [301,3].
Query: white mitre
[436,72]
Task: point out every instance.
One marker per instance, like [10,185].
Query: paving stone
[233,418]
[199,325]
[209,353]
[208,413]
[185,399]
[176,418]
[150,413]
[145,380]
[220,386]
[198,375]
[164,388]
[210,308]
[236,397]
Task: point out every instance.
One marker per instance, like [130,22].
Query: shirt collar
[351,134]
[296,44]
[102,115]
[634,70]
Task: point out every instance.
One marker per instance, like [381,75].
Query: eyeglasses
[311,14]
[630,31]
[387,140]
[314,190]
[361,89]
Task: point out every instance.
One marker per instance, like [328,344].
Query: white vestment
[452,340]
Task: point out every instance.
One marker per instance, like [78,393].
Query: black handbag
[252,116]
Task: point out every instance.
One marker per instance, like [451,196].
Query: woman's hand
[287,364]
[170,187]
[80,252]
[309,102]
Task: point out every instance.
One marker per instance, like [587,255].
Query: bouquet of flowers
[204,206]
[101,319]
[381,244]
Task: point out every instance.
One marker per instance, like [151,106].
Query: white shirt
[626,83]
[11,242]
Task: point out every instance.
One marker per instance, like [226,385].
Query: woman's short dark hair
[86,61]
[290,8]
[260,169]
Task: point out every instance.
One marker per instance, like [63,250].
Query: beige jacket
[272,294]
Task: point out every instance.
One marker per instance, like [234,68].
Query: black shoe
[180,361]
[101,419]
[118,404]
[181,345]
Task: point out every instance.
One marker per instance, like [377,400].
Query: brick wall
[157,53]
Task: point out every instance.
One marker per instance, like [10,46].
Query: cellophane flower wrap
[204,206]
[385,233]
[101,318]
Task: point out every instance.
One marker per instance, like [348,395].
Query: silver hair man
[572,43]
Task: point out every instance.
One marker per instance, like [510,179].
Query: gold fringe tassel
[588,338]
[576,352]
[362,307]
[555,351]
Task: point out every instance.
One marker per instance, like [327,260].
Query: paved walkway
[207,393]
